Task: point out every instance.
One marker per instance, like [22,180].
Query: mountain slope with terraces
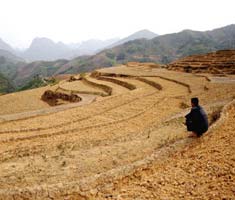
[161,49]
[127,124]
[219,62]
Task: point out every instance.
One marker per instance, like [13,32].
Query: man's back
[197,121]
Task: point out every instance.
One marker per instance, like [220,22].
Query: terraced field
[219,62]
[22,101]
[86,150]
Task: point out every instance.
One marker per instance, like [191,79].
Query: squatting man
[196,120]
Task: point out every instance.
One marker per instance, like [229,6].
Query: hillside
[22,75]
[123,138]
[38,68]
[219,62]
[5,85]
[162,49]
[9,66]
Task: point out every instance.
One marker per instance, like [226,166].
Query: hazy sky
[78,20]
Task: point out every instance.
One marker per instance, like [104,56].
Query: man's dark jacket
[197,121]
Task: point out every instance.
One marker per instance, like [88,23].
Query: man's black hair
[195,101]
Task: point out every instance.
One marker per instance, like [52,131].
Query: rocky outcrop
[52,97]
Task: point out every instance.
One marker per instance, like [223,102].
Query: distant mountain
[142,34]
[5,46]
[10,56]
[46,49]
[161,49]
[92,46]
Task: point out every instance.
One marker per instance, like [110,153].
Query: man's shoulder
[202,111]
[196,110]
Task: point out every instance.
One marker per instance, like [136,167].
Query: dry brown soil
[120,146]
